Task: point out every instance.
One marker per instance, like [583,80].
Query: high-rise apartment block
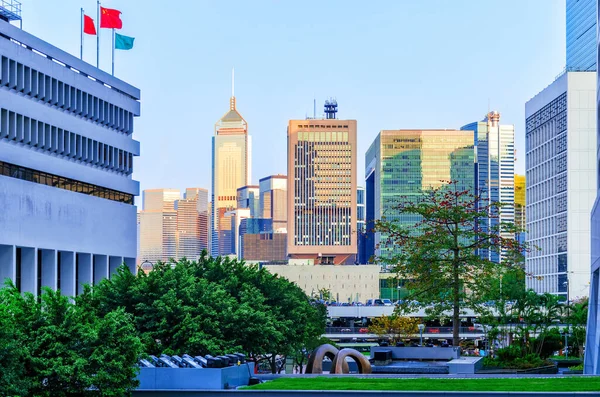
[158,225]
[192,223]
[171,227]
[273,201]
[561,184]
[494,171]
[402,164]
[322,189]
[67,213]
[582,49]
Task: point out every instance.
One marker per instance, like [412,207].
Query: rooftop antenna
[314,108]
[232,100]
[331,108]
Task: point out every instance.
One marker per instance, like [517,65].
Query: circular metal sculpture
[338,360]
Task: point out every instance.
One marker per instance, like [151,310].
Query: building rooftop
[60,57]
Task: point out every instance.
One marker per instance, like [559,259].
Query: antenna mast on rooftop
[331,108]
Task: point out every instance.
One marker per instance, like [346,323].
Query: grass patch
[565,384]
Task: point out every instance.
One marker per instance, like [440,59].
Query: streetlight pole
[421,328]
[566,283]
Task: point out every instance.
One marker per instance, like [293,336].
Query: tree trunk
[456,305]
[273,364]
[456,290]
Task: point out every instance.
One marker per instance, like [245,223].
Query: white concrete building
[346,283]
[561,184]
[67,214]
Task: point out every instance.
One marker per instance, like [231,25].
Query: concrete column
[113,264]
[49,276]
[130,263]
[100,268]
[29,270]
[8,263]
[83,270]
[68,283]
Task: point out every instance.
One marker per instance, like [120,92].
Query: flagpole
[98,36]
[113,51]
[81,33]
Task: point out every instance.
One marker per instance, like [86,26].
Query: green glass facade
[402,164]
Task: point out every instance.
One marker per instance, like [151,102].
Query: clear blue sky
[390,64]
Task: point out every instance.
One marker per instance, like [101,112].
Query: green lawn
[431,384]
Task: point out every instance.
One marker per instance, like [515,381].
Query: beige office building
[158,225]
[192,223]
[346,283]
[171,227]
[231,162]
[322,190]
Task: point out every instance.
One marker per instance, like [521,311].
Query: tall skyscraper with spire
[231,159]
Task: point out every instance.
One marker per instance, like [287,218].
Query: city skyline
[381,89]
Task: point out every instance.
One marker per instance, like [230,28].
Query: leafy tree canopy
[394,327]
[443,256]
[214,306]
[52,346]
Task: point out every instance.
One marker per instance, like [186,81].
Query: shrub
[548,342]
[509,353]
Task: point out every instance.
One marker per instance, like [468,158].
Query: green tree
[13,352]
[214,306]
[439,256]
[577,318]
[394,327]
[66,349]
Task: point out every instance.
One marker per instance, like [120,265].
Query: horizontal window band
[43,178]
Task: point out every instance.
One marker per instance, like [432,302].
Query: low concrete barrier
[465,365]
[420,353]
[177,379]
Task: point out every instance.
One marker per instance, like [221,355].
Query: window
[27,174]
[35,84]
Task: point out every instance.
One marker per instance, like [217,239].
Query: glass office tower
[581,35]
[402,164]
[494,170]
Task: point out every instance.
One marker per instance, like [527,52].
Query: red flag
[88,25]
[110,18]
